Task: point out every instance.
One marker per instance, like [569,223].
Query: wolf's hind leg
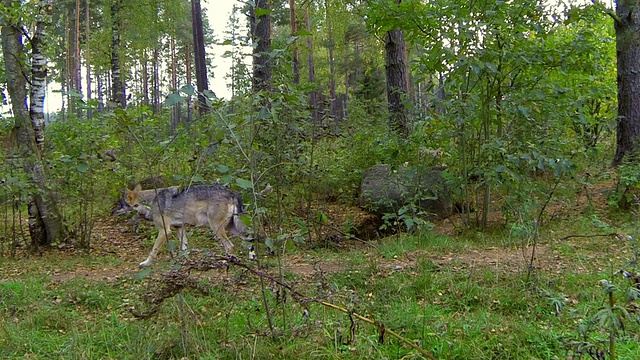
[218,228]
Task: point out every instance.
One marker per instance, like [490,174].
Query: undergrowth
[419,286]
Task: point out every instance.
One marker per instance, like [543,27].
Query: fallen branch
[383,330]
[590,236]
[178,278]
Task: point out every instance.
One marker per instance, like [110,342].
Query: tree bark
[296,61]
[397,80]
[331,45]
[68,74]
[261,37]
[627,26]
[155,96]
[200,56]
[145,78]
[86,58]
[76,54]
[175,113]
[189,80]
[313,102]
[45,220]
[117,85]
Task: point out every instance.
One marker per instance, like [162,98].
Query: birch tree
[45,220]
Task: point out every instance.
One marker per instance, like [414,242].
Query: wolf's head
[134,199]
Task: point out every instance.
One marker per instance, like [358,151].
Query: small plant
[409,216]
[612,318]
[628,187]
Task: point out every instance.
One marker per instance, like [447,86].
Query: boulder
[384,190]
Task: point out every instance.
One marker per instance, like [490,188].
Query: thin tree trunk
[296,65]
[156,80]
[175,113]
[627,25]
[68,74]
[313,102]
[346,81]
[87,58]
[117,85]
[145,79]
[189,81]
[200,56]
[76,57]
[100,84]
[332,45]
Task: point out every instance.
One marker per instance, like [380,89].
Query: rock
[386,191]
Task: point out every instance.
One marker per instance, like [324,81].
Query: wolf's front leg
[183,239]
[160,240]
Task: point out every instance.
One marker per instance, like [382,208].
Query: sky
[218,12]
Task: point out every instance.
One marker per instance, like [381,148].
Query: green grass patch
[455,309]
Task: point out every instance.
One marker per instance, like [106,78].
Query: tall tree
[117,85]
[45,220]
[260,22]
[332,71]
[200,55]
[296,65]
[313,102]
[627,25]
[397,79]
[87,56]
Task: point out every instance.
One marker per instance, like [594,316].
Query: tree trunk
[627,25]
[145,78]
[175,113]
[345,103]
[86,58]
[331,45]
[68,74]
[76,55]
[313,102]
[397,84]
[100,85]
[117,86]
[296,65]
[156,80]
[45,220]
[189,81]
[200,56]
[261,37]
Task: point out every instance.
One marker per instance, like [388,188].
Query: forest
[417,179]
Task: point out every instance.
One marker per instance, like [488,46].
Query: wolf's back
[214,193]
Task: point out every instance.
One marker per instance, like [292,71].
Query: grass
[460,308]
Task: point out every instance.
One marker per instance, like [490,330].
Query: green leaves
[244,184]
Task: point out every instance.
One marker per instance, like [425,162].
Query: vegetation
[515,100]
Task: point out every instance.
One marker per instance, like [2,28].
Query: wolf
[212,205]
[121,207]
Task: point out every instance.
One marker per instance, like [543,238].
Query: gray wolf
[212,205]
[122,208]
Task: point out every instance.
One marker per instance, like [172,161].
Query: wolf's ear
[138,188]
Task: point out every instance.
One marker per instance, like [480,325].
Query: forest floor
[467,294]
[113,239]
